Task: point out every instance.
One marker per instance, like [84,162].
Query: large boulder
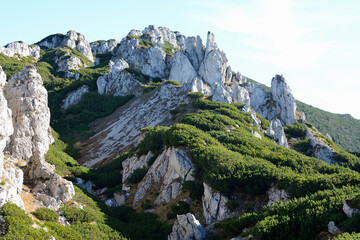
[214,205]
[276,131]
[21,49]
[186,227]
[172,168]
[277,195]
[72,39]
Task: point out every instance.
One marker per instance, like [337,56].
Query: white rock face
[277,195]
[74,97]
[150,61]
[72,39]
[11,191]
[123,127]
[27,98]
[240,94]
[10,174]
[282,94]
[186,227]
[194,49]
[118,82]
[69,63]
[21,49]
[320,149]
[103,46]
[182,70]
[159,35]
[349,211]
[171,168]
[213,68]
[279,103]
[332,228]
[214,205]
[6,126]
[133,163]
[276,131]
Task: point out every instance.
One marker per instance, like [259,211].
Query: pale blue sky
[314,44]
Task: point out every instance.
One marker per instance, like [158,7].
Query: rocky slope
[198,147]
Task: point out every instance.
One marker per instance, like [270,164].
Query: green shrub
[302,145]
[137,175]
[196,189]
[296,130]
[46,214]
[196,95]
[169,48]
[231,204]
[176,83]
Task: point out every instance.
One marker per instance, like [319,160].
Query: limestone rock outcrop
[74,97]
[279,103]
[186,227]
[282,95]
[349,211]
[67,62]
[118,81]
[332,228]
[276,131]
[103,46]
[12,177]
[171,169]
[27,98]
[320,149]
[160,35]
[214,205]
[72,39]
[213,68]
[149,60]
[21,49]
[277,195]
[133,163]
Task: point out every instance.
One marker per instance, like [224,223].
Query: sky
[313,44]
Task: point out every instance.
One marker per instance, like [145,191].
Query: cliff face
[31,137]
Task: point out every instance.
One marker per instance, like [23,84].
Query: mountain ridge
[184,148]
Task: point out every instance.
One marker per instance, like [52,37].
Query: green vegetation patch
[46,214]
[176,83]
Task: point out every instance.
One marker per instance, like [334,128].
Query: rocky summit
[155,136]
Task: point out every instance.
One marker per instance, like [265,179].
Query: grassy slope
[344,129]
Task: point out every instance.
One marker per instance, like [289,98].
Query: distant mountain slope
[343,128]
